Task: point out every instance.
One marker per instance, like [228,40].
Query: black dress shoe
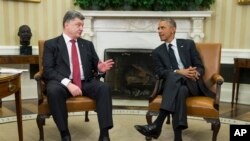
[66,138]
[104,139]
[149,130]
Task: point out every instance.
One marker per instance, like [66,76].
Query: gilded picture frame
[243,2]
[27,0]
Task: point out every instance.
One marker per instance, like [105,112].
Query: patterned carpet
[123,130]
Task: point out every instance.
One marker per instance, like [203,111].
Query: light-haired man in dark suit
[63,81]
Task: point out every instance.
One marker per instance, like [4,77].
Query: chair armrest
[40,86]
[38,76]
[100,75]
[218,80]
[157,87]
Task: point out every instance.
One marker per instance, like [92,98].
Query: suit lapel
[164,53]
[181,50]
[63,49]
[83,53]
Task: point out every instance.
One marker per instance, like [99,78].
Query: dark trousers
[57,95]
[175,92]
[180,113]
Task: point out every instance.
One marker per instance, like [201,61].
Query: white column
[197,33]
[88,32]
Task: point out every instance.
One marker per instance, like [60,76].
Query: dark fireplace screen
[132,74]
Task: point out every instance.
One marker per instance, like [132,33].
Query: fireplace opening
[132,74]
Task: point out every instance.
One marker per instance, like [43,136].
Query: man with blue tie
[70,63]
[178,63]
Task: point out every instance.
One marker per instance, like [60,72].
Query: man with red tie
[69,65]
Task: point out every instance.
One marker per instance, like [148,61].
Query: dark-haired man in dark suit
[69,62]
[178,63]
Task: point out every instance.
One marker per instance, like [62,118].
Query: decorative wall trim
[228,55]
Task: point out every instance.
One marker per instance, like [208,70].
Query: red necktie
[76,65]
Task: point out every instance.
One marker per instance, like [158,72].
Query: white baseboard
[244,93]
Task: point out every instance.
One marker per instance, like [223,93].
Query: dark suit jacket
[189,57]
[56,59]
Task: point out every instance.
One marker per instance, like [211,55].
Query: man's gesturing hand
[105,66]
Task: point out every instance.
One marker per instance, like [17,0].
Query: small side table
[238,64]
[18,59]
[11,84]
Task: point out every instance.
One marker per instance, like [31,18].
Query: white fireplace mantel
[190,22]
[138,29]
[148,14]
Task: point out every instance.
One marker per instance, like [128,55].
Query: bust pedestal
[25,50]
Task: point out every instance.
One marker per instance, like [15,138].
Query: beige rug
[123,129]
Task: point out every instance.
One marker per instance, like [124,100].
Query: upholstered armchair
[74,104]
[199,106]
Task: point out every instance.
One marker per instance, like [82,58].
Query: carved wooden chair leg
[40,120]
[168,119]
[216,127]
[1,103]
[148,138]
[149,117]
[149,121]
[86,116]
